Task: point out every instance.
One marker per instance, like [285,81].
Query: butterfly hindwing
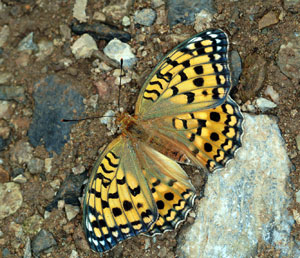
[192,77]
[118,202]
[171,189]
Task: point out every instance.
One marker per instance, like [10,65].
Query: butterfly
[184,115]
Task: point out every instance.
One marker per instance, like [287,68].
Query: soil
[87,137]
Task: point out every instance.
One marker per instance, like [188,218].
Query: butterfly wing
[118,203]
[170,186]
[209,138]
[192,77]
[134,189]
[185,99]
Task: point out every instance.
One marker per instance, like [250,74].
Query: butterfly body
[183,115]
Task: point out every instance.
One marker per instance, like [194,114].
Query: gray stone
[203,20]
[65,31]
[236,67]
[145,17]
[36,166]
[5,77]
[84,46]
[54,101]
[185,11]
[298,196]
[10,199]
[45,49]
[21,152]
[16,93]
[246,202]
[289,58]
[116,50]
[42,241]
[27,249]
[28,44]
[6,109]
[292,4]
[5,252]
[265,104]
[157,3]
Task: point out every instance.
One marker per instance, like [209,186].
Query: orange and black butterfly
[183,114]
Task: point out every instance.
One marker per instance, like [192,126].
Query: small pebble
[145,16]
[27,44]
[5,77]
[157,3]
[294,112]
[79,169]
[84,46]
[298,141]
[74,254]
[71,211]
[60,204]
[4,34]
[273,94]
[116,50]
[126,21]
[267,20]
[21,179]
[42,241]
[79,10]
[264,104]
[99,16]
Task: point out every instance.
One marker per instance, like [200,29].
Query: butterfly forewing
[209,137]
[192,77]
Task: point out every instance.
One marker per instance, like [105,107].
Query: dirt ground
[44,19]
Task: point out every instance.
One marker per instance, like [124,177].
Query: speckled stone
[10,199]
[246,202]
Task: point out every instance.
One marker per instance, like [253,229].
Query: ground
[44,18]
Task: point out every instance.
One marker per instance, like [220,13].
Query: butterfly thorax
[143,131]
[131,127]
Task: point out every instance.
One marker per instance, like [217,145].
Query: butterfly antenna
[119,95]
[82,119]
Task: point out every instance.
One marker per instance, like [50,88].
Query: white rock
[79,10]
[264,104]
[273,94]
[84,46]
[247,202]
[126,21]
[116,50]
